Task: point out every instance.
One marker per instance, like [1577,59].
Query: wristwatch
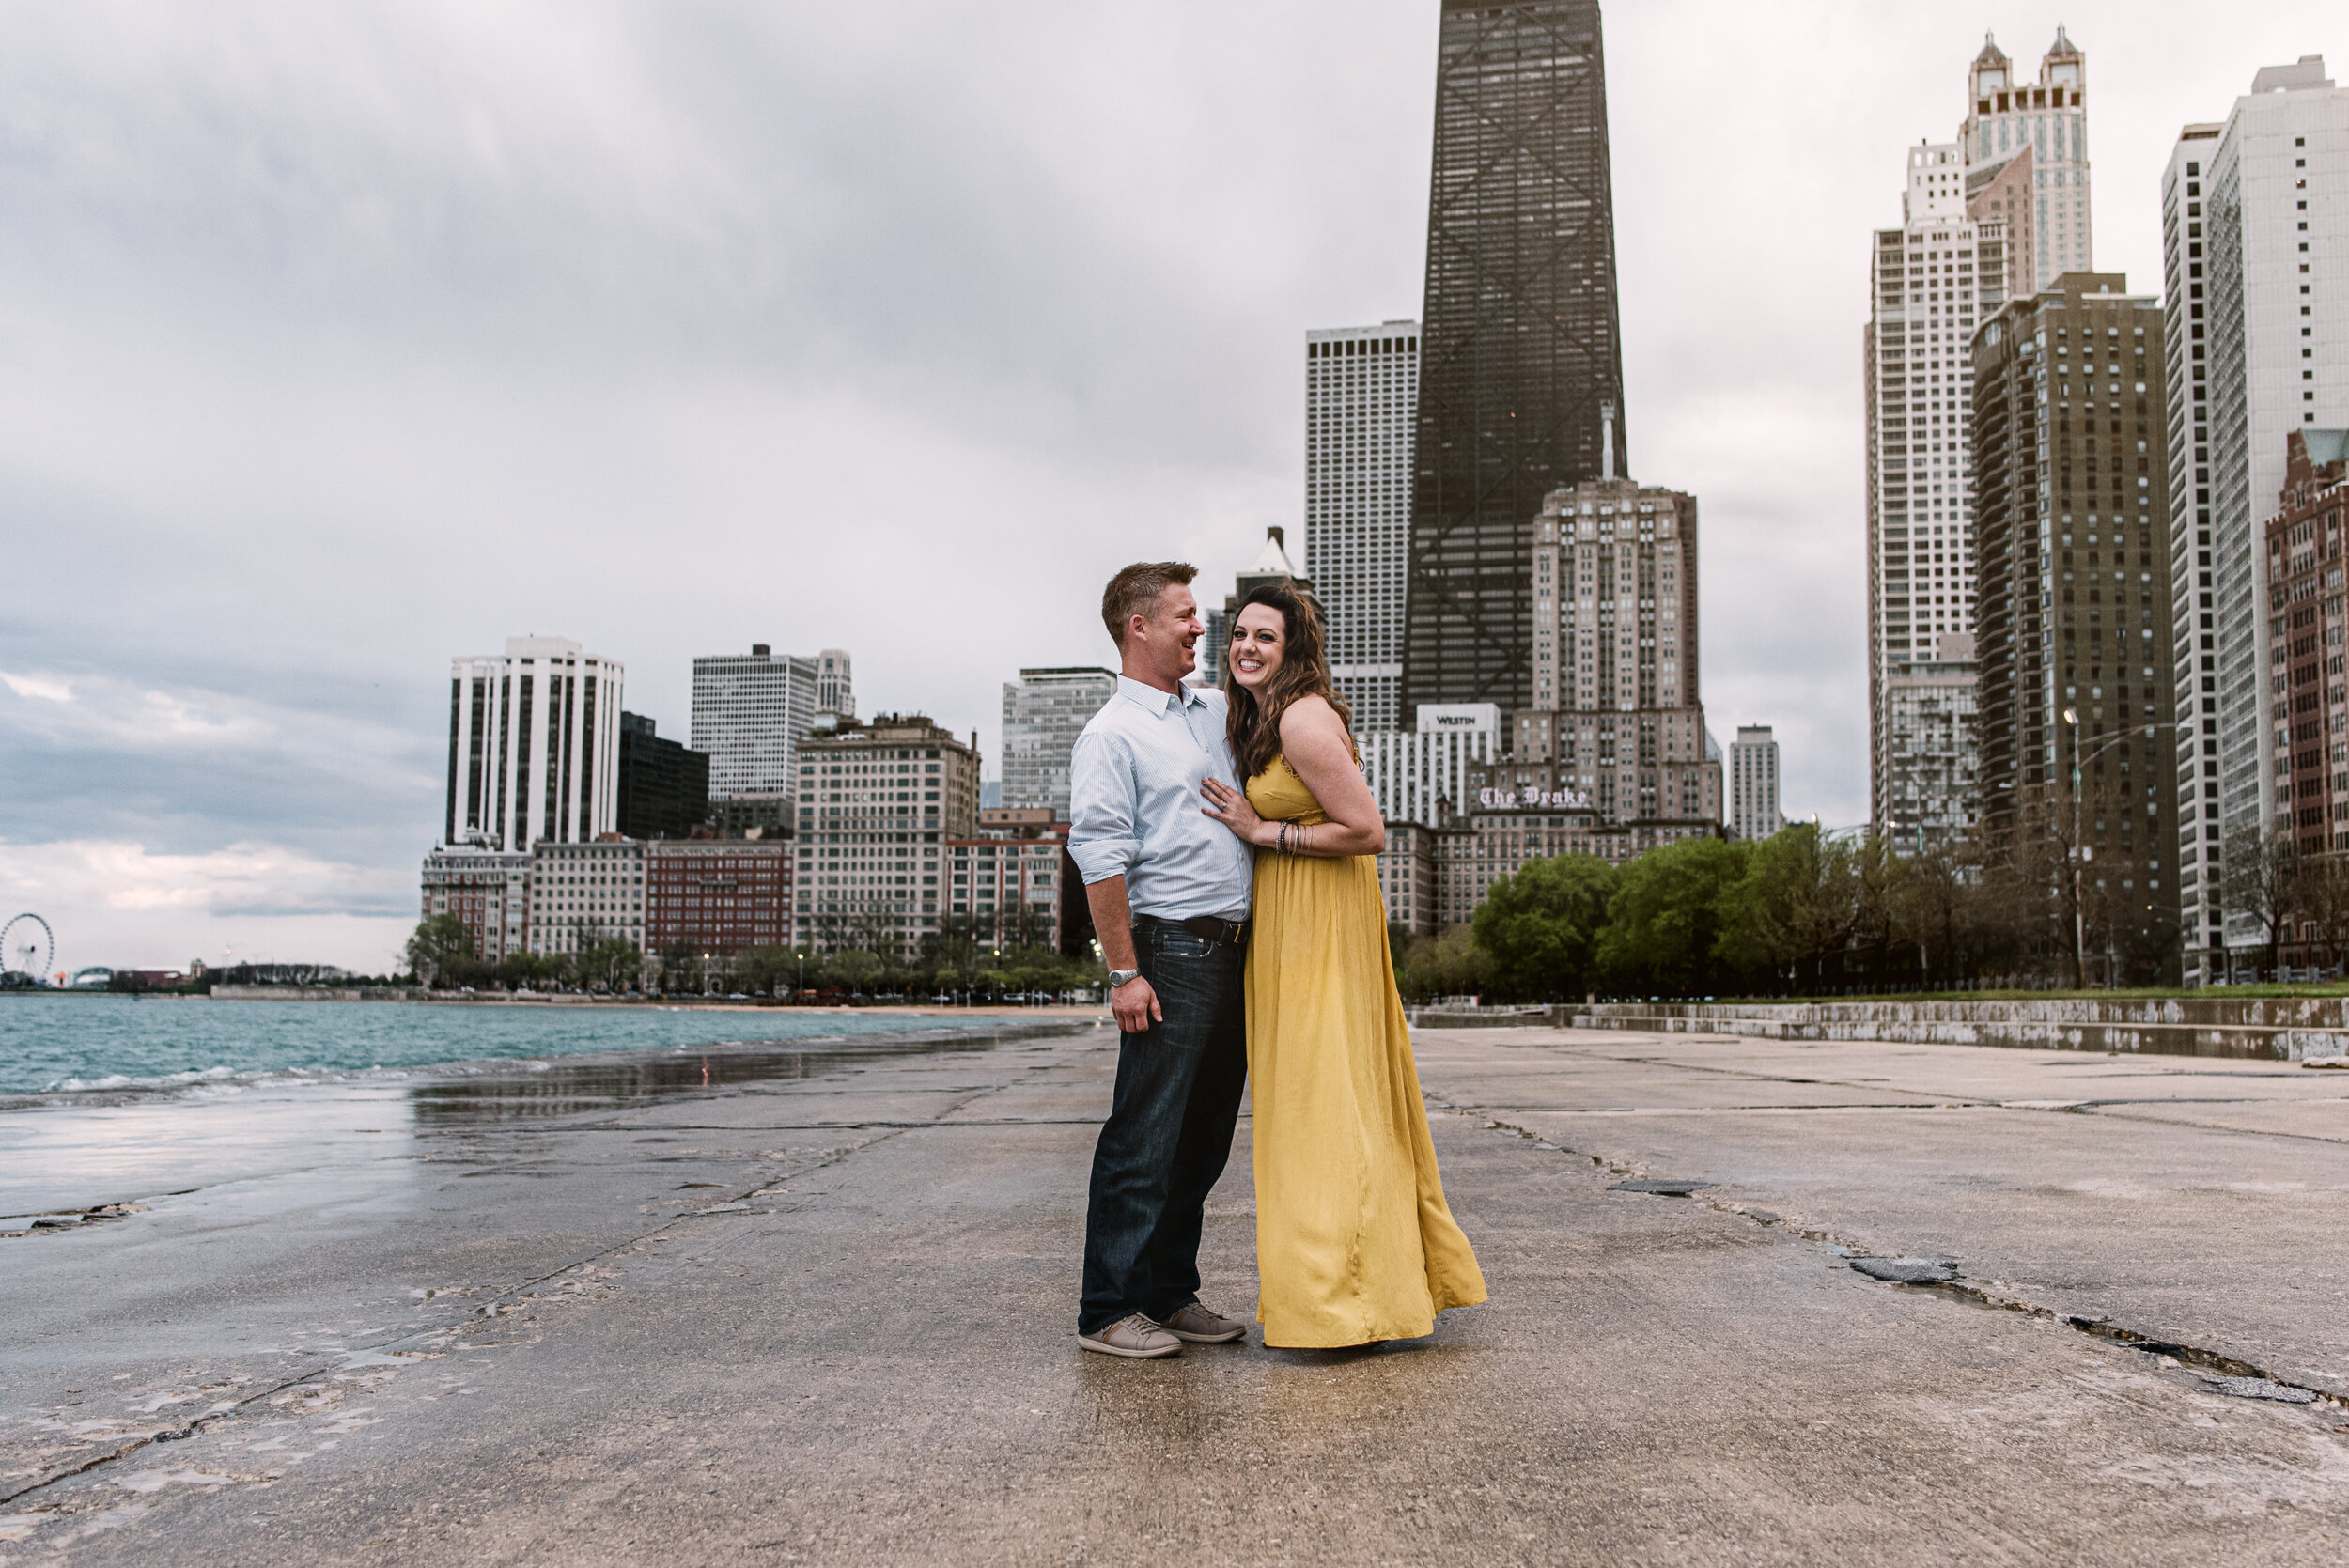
[1119,977]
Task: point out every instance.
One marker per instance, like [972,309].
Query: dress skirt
[1354,1241]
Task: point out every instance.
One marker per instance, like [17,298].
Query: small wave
[219,1077]
[167,1080]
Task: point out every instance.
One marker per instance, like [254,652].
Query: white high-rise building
[2048,120]
[1422,775]
[1935,277]
[835,693]
[1361,405]
[1044,712]
[534,746]
[2255,257]
[1753,810]
[750,712]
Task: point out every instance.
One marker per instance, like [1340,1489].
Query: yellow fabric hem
[1376,1337]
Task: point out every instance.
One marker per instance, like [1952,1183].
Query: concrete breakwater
[467,999]
[2286,1029]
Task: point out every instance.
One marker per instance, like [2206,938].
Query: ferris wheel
[27,948]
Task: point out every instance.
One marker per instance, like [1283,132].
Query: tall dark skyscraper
[664,787]
[1519,347]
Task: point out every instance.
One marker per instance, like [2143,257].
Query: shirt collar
[1150,697]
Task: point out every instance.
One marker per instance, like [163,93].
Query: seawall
[2290,1029]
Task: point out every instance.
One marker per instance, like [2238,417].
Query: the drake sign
[1501,799]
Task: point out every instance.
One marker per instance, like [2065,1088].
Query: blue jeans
[1169,1130]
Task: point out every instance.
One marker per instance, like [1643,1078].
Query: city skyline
[211,761]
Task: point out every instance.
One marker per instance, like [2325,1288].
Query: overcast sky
[338,340]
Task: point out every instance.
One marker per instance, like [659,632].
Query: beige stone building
[1509,828]
[1407,876]
[581,894]
[1613,759]
[880,801]
[1617,725]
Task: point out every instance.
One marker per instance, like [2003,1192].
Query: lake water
[53,1043]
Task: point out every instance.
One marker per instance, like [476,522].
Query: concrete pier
[2286,1029]
[822,1312]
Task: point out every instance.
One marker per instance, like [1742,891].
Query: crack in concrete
[168,1434]
[2199,1358]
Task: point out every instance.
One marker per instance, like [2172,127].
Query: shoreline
[187,1088]
[178,1148]
[558,999]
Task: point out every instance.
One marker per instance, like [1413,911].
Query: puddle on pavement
[566,1086]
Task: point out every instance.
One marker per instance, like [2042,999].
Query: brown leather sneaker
[1201,1327]
[1133,1336]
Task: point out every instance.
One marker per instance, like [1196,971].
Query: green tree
[954,945]
[529,970]
[1441,965]
[1802,902]
[1541,927]
[442,946]
[681,969]
[772,969]
[611,963]
[1666,918]
[852,967]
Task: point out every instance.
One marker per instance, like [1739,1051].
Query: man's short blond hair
[1135,592]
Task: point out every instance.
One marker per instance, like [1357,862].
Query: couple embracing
[1228,846]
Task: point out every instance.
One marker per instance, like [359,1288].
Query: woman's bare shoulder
[1310,723]
[1313,713]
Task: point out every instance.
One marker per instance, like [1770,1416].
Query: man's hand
[1134,1003]
[1136,1006]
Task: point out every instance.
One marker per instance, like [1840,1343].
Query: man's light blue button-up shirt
[1135,800]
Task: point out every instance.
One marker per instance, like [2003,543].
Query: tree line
[1803,912]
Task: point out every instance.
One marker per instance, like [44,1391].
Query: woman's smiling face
[1259,636]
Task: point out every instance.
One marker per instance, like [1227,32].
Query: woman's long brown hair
[1253,726]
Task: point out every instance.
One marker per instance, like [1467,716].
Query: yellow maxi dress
[1354,1242]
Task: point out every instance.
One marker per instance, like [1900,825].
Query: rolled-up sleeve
[1104,833]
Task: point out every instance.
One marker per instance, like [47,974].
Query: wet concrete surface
[828,1319]
[2200,1200]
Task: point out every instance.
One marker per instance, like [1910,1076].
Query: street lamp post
[2080,853]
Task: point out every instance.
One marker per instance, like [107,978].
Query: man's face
[1167,636]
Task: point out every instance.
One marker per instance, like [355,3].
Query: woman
[1354,1244]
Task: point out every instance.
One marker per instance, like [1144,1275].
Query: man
[1169,888]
